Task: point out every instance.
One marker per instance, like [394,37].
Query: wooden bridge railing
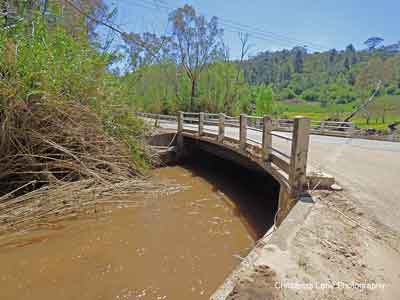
[341,129]
[293,164]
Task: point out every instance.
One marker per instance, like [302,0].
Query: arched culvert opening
[162,139]
[255,193]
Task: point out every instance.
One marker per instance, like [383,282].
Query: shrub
[62,113]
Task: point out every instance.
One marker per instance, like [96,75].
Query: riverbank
[327,248]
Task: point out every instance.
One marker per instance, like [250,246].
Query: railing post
[180,122]
[352,130]
[221,128]
[322,127]
[299,153]
[179,137]
[201,123]
[267,138]
[275,124]
[243,132]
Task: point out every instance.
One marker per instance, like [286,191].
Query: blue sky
[284,23]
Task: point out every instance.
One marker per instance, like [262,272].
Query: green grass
[316,112]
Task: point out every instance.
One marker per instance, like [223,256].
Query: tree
[196,43]
[394,48]
[332,56]
[298,59]
[373,42]
[146,48]
[264,100]
[15,11]
[218,89]
[351,54]
[346,63]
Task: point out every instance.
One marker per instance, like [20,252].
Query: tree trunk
[193,93]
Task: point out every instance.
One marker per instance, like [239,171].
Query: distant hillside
[332,77]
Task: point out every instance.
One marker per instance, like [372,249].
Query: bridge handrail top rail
[248,116]
[281,136]
[337,125]
[254,117]
[211,122]
[331,122]
[236,118]
[190,119]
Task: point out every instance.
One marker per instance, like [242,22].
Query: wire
[235,26]
[227,24]
[114,28]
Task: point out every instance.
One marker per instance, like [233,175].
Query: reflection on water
[178,246]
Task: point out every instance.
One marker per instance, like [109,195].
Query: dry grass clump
[58,142]
[57,161]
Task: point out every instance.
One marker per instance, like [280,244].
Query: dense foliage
[329,77]
[51,66]
[166,88]
[188,69]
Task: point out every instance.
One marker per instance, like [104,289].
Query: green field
[383,111]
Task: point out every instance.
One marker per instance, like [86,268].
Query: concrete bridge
[368,170]
[229,138]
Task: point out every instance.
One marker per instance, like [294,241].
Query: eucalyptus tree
[298,58]
[196,43]
[373,42]
[146,49]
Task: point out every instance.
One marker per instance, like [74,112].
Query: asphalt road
[368,170]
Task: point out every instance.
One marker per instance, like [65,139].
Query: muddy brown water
[177,246]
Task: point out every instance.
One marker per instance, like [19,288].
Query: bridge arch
[191,146]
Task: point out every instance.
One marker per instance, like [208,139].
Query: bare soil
[338,252]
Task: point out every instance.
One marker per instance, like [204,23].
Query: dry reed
[57,162]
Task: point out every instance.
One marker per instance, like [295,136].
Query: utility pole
[365,104]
